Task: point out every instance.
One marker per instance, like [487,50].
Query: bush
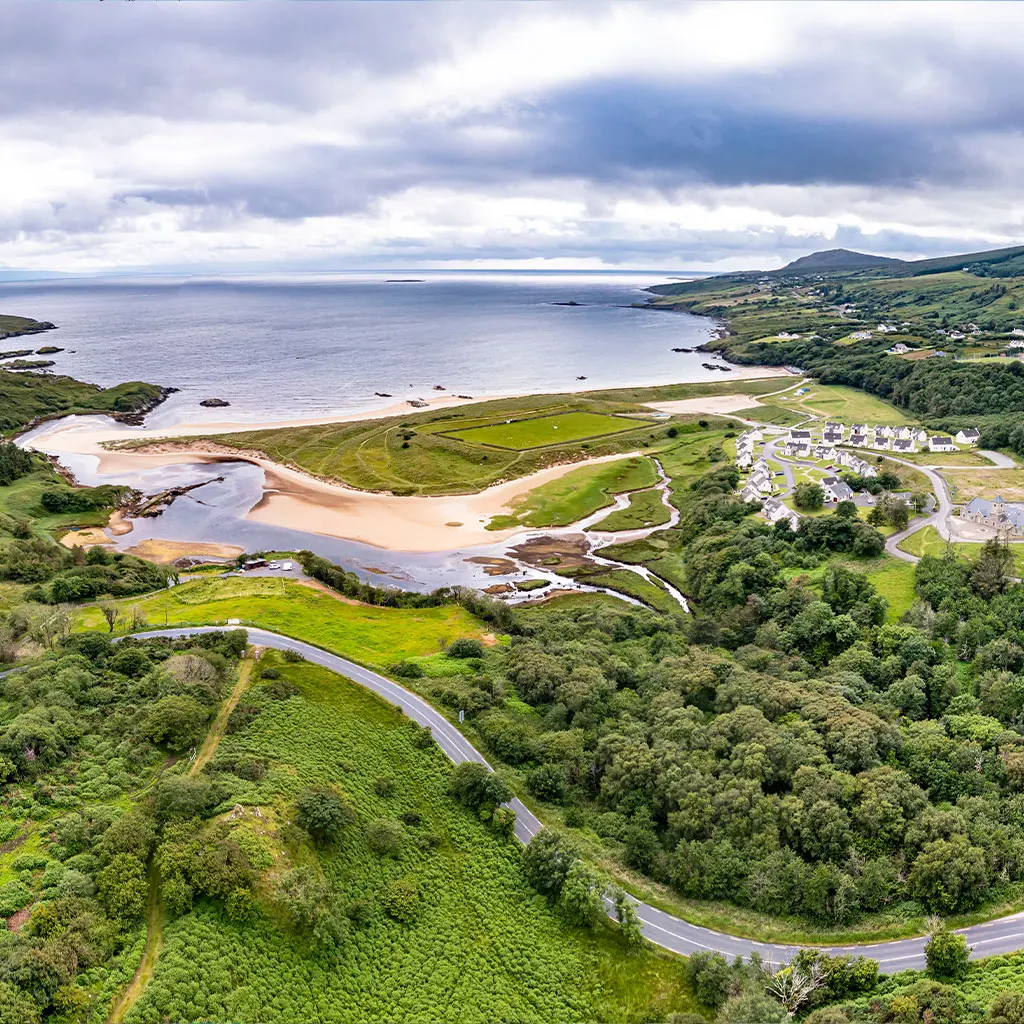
[407,670]
[384,786]
[14,896]
[323,814]
[385,837]
[270,673]
[465,647]
[292,656]
[708,975]
[478,788]
[547,782]
[946,955]
[401,899]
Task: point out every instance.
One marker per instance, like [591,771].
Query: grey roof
[1010,512]
[971,432]
[940,440]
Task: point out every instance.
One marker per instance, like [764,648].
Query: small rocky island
[214,403]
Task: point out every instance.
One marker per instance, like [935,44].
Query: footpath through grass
[374,636]
[480,944]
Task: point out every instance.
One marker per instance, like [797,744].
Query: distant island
[404,280]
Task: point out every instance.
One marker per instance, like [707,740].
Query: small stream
[217,511]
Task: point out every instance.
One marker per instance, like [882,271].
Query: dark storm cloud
[189,60]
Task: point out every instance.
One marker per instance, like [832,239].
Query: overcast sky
[621,135]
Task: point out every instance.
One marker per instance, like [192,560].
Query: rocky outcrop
[214,403]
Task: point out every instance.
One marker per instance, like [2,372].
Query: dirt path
[154,943]
[155,906]
[220,724]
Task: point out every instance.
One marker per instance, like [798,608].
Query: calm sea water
[292,346]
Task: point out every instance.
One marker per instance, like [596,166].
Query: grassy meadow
[578,494]
[365,633]
[645,509]
[542,431]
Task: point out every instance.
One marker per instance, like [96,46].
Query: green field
[848,405]
[542,431]
[894,580]
[645,509]
[365,633]
[481,945]
[777,415]
[928,542]
[443,451]
[578,494]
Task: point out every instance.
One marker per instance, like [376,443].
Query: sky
[600,135]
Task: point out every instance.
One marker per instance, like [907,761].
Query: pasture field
[965,484]
[542,431]
[928,542]
[366,633]
[776,415]
[966,458]
[578,494]
[438,451]
[894,580]
[480,945]
[848,405]
[645,509]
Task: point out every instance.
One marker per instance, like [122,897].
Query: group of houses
[745,447]
[880,438]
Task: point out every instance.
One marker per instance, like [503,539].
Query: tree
[111,613]
[401,899]
[630,926]
[323,814]
[708,975]
[581,899]
[465,647]
[546,861]
[793,985]
[123,887]
[504,821]
[946,954]
[992,569]
[477,787]
[809,497]
[950,875]
[177,721]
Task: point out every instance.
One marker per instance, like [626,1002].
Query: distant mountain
[841,259]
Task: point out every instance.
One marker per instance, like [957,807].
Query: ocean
[294,346]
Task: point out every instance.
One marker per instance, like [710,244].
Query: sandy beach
[295,500]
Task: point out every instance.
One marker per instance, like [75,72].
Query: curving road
[1000,936]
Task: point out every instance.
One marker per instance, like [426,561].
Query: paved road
[1001,936]
[939,517]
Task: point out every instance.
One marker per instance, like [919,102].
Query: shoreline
[298,500]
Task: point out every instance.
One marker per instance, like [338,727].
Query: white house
[760,481]
[880,444]
[832,437]
[786,336]
[882,431]
[904,446]
[743,460]
[754,433]
[836,490]
[941,444]
[834,428]
[898,349]
[903,433]
[858,440]
[859,428]
[920,435]
[969,435]
[860,335]
[799,449]
[800,435]
[750,493]
[887,329]
[825,453]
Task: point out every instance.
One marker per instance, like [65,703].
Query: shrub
[407,670]
[384,786]
[323,814]
[385,837]
[946,955]
[270,673]
[401,899]
[14,896]
[465,647]
[547,782]
[475,786]
[293,656]
[708,975]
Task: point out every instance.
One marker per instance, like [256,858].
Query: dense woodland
[789,750]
